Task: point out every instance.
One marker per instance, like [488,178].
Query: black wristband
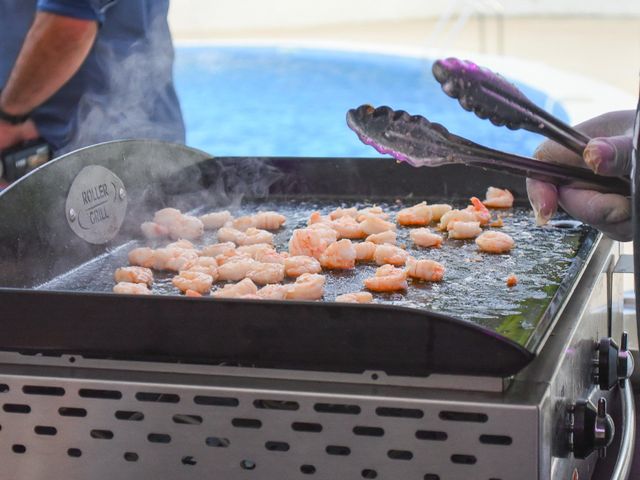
[13,119]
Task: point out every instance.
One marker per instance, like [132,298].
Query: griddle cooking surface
[474,286]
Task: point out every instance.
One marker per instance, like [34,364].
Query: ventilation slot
[157,397]
[246,423]
[16,408]
[187,419]
[4,388]
[306,427]
[431,476]
[339,408]
[216,401]
[308,469]
[368,473]
[17,448]
[218,442]
[399,412]
[431,435]
[72,412]
[464,417]
[45,430]
[159,438]
[368,431]
[41,390]
[496,439]
[101,434]
[276,405]
[400,454]
[131,456]
[188,460]
[464,459]
[74,452]
[129,416]
[338,450]
[277,446]
[104,394]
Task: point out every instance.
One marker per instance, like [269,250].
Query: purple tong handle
[489,95]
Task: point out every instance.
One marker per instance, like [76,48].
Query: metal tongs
[419,142]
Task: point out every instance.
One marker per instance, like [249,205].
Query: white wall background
[199,16]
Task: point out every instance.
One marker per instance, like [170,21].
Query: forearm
[55,48]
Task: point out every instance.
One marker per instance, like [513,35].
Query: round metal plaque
[96,204]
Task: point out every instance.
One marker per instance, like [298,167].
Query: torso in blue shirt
[125,87]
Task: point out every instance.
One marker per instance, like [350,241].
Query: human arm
[608,153]
[54,49]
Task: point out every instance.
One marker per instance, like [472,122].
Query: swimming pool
[278,101]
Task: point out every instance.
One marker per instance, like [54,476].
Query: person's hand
[608,153]
[11,135]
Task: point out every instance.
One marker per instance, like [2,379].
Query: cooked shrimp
[255,249]
[495,242]
[235,270]
[255,235]
[389,237]
[229,234]
[207,265]
[236,290]
[153,230]
[455,216]
[423,237]
[142,257]
[192,293]
[244,222]
[343,212]
[186,227]
[134,275]
[167,216]
[190,280]
[365,251]
[182,243]
[438,210]
[373,225]
[375,212]
[390,254]
[512,280]
[387,279]
[175,259]
[339,255]
[498,198]
[214,220]
[264,273]
[427,270]
[268,220]
[308,286]
[464,230]
[482,214]
[273,292]
[129,288]
[216,249]
[347,227]
[418,215]
[357,297]
[317,217]
[311,241]
[297,265]
[272,257]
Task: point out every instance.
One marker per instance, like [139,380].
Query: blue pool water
[267,101]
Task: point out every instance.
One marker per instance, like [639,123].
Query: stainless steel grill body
[103,419]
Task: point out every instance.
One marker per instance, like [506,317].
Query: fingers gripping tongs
[417,141]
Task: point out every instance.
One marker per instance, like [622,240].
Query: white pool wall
[194,16]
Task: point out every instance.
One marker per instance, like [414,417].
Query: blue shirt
[124,89]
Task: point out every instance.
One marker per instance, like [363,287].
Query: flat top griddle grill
[457,327]
[474,288]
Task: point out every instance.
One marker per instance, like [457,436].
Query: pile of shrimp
[245,264]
